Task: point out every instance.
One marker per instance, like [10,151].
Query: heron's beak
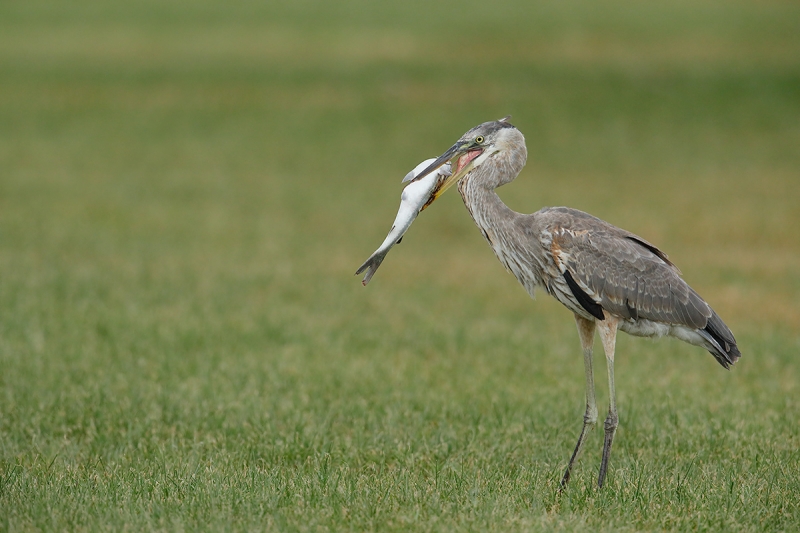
[461,155]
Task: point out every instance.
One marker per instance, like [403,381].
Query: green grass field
[186,189]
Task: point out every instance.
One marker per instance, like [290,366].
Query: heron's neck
[486,208]
[478,191]
[503,228]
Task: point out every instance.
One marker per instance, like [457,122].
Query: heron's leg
[608,334]
[586,331]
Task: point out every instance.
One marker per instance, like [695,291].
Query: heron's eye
[479,139]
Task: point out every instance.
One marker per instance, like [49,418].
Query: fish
[416,196]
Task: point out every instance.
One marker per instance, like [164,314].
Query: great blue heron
[609,278]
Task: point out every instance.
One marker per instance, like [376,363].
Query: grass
[187,188]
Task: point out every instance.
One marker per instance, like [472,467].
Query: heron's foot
[612,421]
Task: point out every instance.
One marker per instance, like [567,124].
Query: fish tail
[370,266]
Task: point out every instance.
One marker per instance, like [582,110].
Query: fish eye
[479,139]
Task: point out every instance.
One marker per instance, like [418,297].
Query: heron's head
[474,148]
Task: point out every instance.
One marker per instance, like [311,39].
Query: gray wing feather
[622,272]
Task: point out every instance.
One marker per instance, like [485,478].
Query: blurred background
[186,189]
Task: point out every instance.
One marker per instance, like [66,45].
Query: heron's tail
[720,339]
[371,265]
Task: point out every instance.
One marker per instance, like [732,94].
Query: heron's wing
[623,273]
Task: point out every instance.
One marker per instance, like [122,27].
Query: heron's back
[593,268]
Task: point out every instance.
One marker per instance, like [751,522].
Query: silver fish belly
[412,200]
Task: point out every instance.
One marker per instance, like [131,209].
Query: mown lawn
[186,189]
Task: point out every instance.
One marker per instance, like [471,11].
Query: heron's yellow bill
[460,157]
